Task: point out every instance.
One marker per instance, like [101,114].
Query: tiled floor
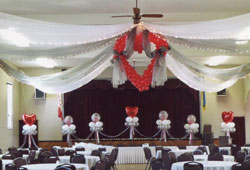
[131,167]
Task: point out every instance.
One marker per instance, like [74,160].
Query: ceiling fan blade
[121,16]
[136,11]
[152,15]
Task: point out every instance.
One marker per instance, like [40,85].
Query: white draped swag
[28,39]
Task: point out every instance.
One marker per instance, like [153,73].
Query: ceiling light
[241,42]
[45,62]
[216,60]
[13,37]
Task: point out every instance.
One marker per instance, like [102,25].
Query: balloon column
[131,120]
[96,125]
[29,129]
[227,125]
[163,124]
[68,128]
[191,127]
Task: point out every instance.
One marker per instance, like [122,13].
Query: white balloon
[228,126]
[72,127]
[135,119]
[26,127]
[159,122]
[91,124]
[169,122]
[164,122]
[223,125]
[33,127]
[193,126]
[99,124]
[129,119]
[196,130]
[65,127]
[186,126]
[197,125]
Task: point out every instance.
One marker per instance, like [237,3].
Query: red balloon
[29,119]
[131,111]
[227,116]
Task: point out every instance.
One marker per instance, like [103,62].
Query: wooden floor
[131,167]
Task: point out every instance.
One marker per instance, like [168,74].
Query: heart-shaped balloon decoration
[29,119]
[227,116]
[131,111]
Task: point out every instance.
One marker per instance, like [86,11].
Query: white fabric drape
[67,80]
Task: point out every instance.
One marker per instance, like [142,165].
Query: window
[9,106]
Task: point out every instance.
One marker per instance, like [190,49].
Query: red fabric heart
[29,119]
[131,111]
[227,116]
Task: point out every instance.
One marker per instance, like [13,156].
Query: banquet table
[90,160]
[132,155]
[228,158]
[53,166]
[24,156]
[208,165]
[5,162]
[88,153]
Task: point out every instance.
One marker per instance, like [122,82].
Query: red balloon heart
[29,119]
[227,116]
[131,111]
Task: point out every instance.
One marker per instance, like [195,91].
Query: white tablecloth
[90,160]
[5,162]
[132,155]
[24,156]
[228,158]
[53,166]
[208,165]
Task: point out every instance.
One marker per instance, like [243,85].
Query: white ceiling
[99,12]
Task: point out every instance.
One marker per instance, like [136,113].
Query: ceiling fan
[137,17]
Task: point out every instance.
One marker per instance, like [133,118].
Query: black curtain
[99,96]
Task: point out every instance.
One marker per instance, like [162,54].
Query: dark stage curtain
[99,96]
[239,137]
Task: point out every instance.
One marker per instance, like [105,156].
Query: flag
[204,101]
[60,107]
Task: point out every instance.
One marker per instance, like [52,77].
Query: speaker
[39,94]
[222,93]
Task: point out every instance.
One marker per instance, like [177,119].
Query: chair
[76,158]
[112,158]
[166,159]
[197,152]
[100,165]
[192,166]
[33,148]
[17,153]
[215,150]
[8,156]
[172,157]
[45,154]
[1,164]
[24,151]
[54,152]
[69,152]
[158,148]
[157,164]
[185,157]
[148,156]
[51,159]
[182,147]
[61,152]
[79,148]
[65,167]
[14,167]
[247,158]
[202,148]
[224,152]
[32,155]
[1,152]
[240,156]
[215,157]
[20,162]
[102,149]
[96,153]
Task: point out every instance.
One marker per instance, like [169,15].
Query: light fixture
[216,60]
[13,37]
[45,62]
[241,42]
